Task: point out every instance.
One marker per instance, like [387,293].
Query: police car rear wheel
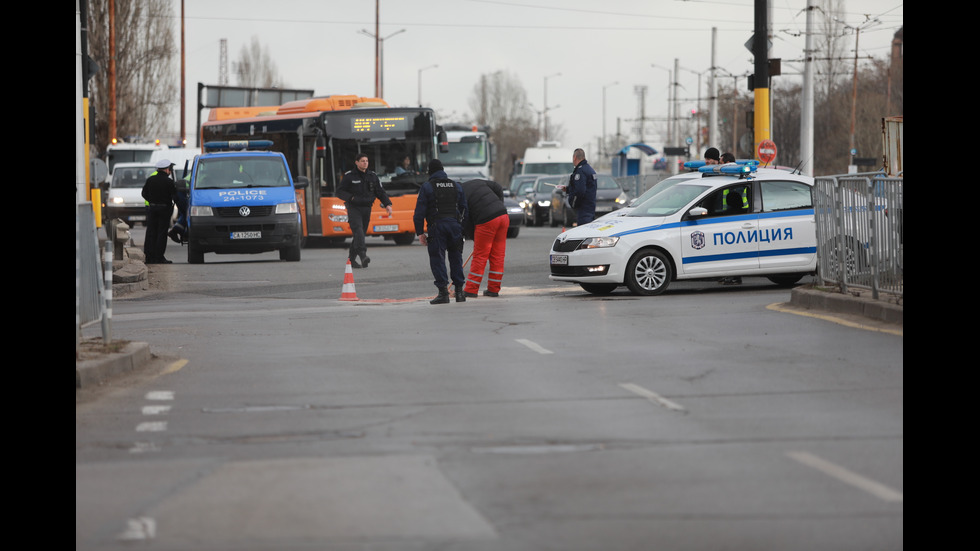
[648,273]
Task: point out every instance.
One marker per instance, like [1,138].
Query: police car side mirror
[301,182]
[507,193]
[697,212]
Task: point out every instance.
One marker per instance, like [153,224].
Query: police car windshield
[239,172]
[669,200]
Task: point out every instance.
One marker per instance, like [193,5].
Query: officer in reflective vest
[439,213]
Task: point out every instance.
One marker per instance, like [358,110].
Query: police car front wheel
[648,272]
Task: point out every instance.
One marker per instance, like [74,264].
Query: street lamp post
[420,81]
[544,132]
[670,81]
[380,61]
[602,143]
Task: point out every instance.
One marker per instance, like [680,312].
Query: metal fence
[93,295]
[859,232]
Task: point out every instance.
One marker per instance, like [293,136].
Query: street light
[602,151]
[420,81]
[670,81]
[697,121]
[545,129]
[380,72]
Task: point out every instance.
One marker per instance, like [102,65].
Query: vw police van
[721,221]
[242,200]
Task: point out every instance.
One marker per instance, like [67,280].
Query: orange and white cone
[348,292]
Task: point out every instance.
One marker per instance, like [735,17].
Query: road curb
[855,304]
[97,371]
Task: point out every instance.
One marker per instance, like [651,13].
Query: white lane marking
[160,395]
[652,396]
[154,426]
[535,346]
[840,473]
[144,447]
[141,528]
[155,410]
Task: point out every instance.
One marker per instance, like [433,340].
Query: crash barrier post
[859,232]
[89,281]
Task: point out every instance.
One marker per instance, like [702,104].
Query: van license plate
[138,217]
[559,259]
[390,227]
[246,235]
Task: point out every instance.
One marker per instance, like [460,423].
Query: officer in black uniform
[439,213]
[358,190]
[159,192]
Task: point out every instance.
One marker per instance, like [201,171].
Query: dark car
[608,197]
[516,213]
[537,200]
[519,180]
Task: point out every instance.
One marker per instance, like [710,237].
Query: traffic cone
[348,292]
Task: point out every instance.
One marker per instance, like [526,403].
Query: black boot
[442,297]
[460,295]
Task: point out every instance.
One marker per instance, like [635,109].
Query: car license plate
[390,227]
[559,259]
[246,235]
[137,217]
[603,209]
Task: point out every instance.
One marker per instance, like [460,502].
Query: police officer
[581,189]
[358,189]
[159,192]
[439,212]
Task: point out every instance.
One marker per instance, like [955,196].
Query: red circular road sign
[767,151]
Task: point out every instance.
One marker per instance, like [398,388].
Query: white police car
[723,221]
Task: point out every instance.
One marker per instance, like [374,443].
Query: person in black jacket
[487,226]
[439,213]
[358,190]
[159,192]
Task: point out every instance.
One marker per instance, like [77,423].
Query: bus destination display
[379,123]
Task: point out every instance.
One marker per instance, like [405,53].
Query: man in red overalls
[488,224]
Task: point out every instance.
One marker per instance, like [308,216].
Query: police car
[720,221]
[242,200]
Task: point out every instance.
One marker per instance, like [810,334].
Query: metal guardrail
[93,294]
[859,232]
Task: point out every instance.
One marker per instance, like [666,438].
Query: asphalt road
[279,417]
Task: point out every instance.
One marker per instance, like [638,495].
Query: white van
[548,158]
[124,199]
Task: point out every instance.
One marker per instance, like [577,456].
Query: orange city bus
[320,138]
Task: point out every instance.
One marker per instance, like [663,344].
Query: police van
[242,200]
[717,222]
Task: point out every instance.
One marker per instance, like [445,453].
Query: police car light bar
[734,169]
[237,145]
[697,165]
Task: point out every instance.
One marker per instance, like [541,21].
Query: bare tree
[146,73]
[255,68]
[500,102]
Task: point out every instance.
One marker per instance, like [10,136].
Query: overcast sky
[579,47]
